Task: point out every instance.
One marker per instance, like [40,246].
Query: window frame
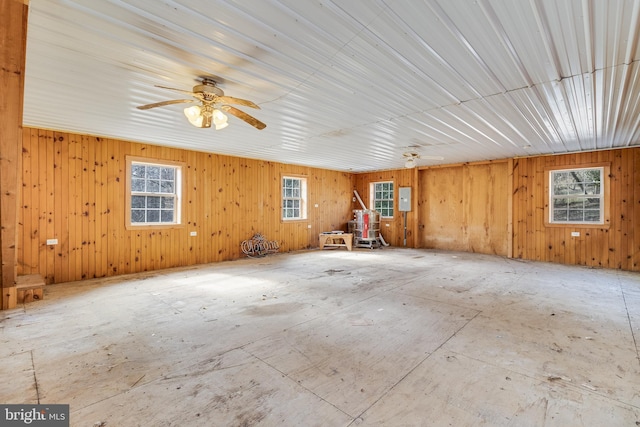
[604,196]
[304,202]
[179,191]
[372,198]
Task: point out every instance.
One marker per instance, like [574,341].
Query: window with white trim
[576,196]
[382,198]
[155,190]
[294,198]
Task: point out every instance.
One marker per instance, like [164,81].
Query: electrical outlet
[52,242]
[575,234]
[309,226]
[193,233]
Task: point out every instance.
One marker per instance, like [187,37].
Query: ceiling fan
[212,104]
[412,156]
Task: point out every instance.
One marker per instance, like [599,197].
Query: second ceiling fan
[213,103]
[412,156]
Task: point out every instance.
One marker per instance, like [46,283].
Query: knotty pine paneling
[465,207]
[392,230]
[616,246]
[74,190]
[441,208]
[13,40]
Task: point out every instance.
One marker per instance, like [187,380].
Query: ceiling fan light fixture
[203,116]
[219,119]
[200,116]
[194,115]
[410,163]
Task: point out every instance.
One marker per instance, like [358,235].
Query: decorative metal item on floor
[259,246]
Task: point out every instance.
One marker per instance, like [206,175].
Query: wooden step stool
[30,287]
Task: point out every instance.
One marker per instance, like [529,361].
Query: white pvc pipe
[359,199]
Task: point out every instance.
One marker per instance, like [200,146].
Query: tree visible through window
[576,196]
[155,191]
[382,193]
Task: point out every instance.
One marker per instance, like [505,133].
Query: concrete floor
[384,337]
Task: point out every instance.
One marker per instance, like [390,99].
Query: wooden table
[336,240]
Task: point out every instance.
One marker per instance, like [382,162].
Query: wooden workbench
[333,240]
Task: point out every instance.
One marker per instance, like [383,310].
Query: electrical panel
[404,205]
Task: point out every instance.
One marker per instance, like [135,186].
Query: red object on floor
[365,225]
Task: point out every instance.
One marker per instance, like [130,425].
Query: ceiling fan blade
[188,92]
[431,157]
[238,101]
[244,116]
[163,103]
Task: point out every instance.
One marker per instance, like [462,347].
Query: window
[382,198]
[154,193]
[294,198]
[577,196]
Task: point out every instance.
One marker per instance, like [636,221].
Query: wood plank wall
[73,190]
[13,40]
[617,246]
[392,229]
[460,207]
[465,208]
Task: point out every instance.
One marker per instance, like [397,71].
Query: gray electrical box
[404,205]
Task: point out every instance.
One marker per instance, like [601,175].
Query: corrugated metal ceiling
[348,85]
